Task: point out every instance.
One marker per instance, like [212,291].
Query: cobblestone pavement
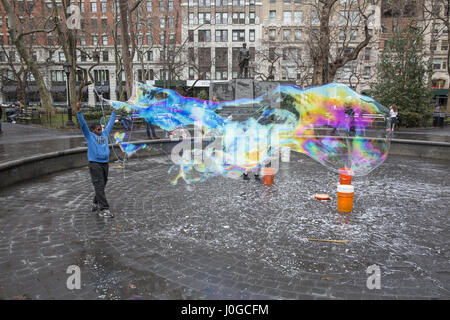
[229,239]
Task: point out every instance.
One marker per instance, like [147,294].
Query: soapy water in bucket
[332,124]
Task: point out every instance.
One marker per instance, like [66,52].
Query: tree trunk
[21,92]
[125,42]
[321,70]
[25,55]
[448,70]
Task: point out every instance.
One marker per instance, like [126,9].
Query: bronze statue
[244,57]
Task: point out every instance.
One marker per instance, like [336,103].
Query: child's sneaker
[105,214]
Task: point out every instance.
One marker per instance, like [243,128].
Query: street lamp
[67,68]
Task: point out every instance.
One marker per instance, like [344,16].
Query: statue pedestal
[243,88]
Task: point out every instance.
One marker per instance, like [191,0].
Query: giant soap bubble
[332,124]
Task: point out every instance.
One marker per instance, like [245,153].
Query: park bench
[28,117]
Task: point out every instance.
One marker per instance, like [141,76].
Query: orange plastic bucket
[345,177]
[268,175]
[345,197]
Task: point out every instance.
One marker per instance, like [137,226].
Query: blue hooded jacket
[98,149]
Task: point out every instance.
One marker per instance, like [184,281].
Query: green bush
[409,119]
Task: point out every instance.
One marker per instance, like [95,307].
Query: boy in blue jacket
[98,156]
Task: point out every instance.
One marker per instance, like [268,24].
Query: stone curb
[19,170]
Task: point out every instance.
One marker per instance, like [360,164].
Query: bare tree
[333,17]
[439,11]
[18,37]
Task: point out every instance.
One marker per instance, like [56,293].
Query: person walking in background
[98,156]
[126,122]
[149,127]
[436,115]
[393,112]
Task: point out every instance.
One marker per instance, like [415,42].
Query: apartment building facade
[156,29]
[197,41]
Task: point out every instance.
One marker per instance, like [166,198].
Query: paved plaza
[229,239]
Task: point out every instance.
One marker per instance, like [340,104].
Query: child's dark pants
[99,177]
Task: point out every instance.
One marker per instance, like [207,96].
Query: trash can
[285,154]
[442,120]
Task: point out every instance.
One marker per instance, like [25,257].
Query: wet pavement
[229,239]
[19,141]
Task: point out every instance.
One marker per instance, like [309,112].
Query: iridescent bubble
[332,124]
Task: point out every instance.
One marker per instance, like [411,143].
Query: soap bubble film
[332,124]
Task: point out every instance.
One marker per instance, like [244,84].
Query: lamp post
[67,67]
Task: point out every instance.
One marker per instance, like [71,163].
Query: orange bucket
[345,198]
[268,175]
[345,177]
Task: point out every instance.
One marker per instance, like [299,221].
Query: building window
[315,17]
[149,39]
[444,45]
[149,6]
[238,17]
[94,40]
[57,76]
[343,17]
[238,35]
[353,34]
[191,73]
[190,35]
[93,7]
[62,57]
[366,74]
[204,35]
[101,77]
[105,56]
[440,64]
[272,16]
[221,75]
[367,53]
[252,18]
[221,35]
[191,18]
[150,55]
[104,7]
[297,34]
[251,35]
[287,34]
[105,40]
[298,17]
[221,17]
[287,17]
